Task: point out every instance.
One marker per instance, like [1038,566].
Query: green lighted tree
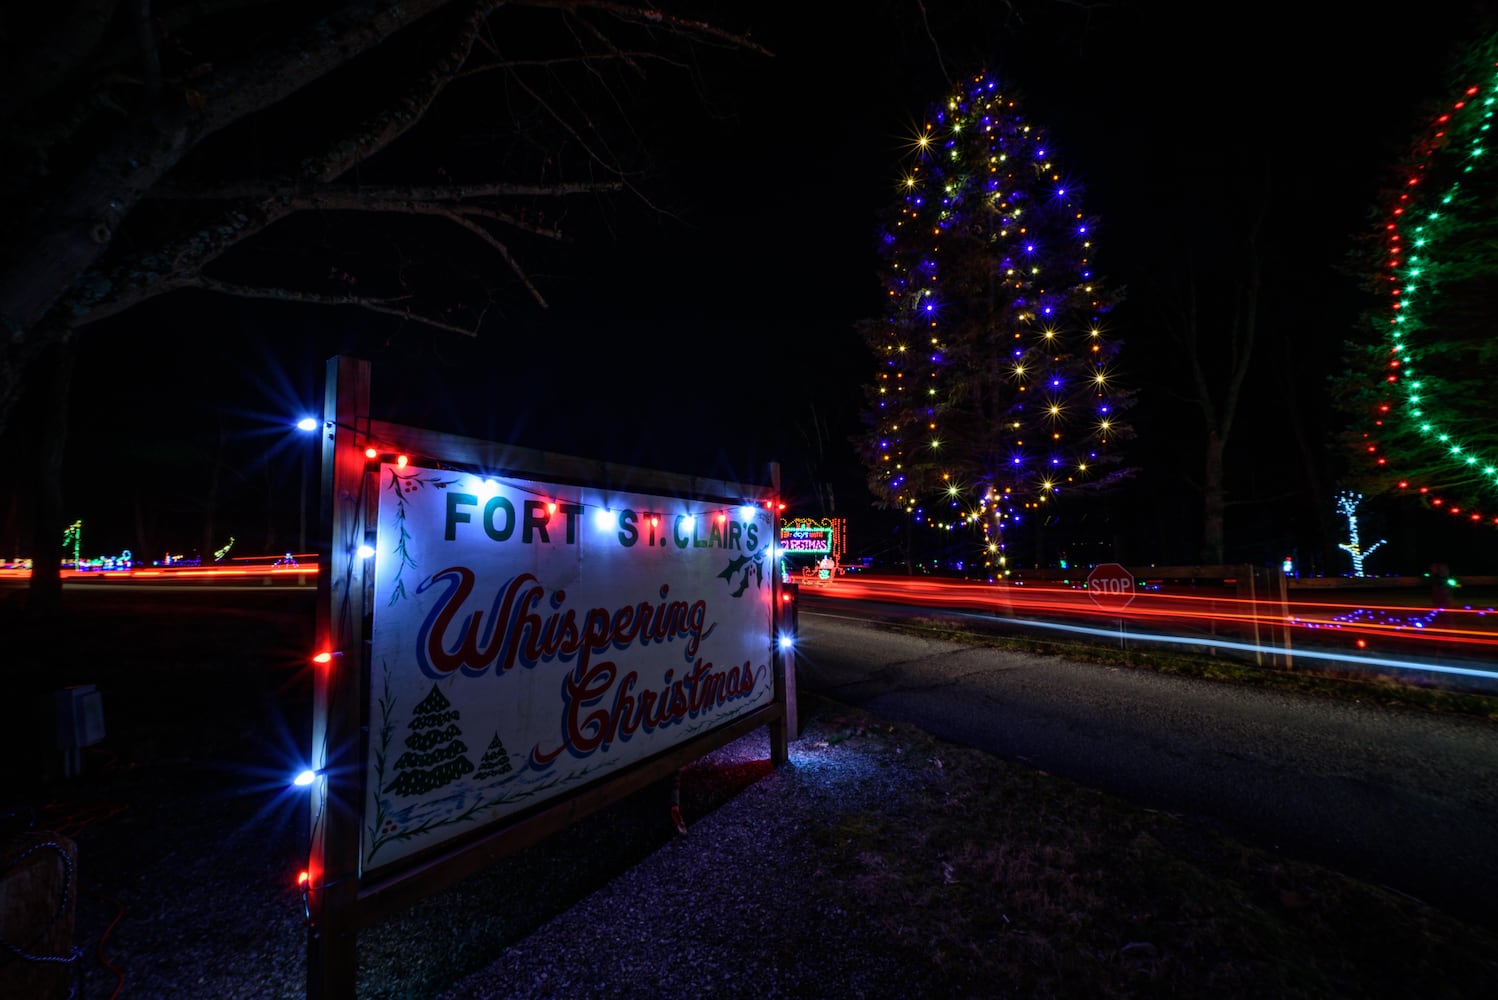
[1416,387]
[995,390]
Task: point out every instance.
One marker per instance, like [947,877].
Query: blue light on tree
[996,379]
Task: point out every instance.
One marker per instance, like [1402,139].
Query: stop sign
[1111,586]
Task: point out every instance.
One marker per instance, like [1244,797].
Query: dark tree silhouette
[150,148]
[1217,350]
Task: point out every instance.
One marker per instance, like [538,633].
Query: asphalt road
[1399,797]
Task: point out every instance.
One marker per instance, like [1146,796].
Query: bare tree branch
[631,57]
[604,161]
[340,154]
[144,141]
[114,196]
[319,196]
[656,17]
[73,232]
[499,248]
[385,307]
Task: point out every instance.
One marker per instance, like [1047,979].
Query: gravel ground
[185,889]
[729,910]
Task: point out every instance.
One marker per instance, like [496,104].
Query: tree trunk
[1214,502]
[50,405]
[908,543]
[144,538]
[211,500]
[1312,460]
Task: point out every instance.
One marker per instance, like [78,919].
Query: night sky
[716,340]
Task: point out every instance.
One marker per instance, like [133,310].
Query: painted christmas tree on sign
[435,752]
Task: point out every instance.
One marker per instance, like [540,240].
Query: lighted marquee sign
[529,638]
[805,541]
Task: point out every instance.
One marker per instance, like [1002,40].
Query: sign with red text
[1111,586]
[530,638]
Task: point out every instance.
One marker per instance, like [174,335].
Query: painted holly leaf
[744,565]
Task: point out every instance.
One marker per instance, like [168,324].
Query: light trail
[1152,614]
[1341,658]
[1457,642]
[1476,628]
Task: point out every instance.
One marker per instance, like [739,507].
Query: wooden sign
[530,637]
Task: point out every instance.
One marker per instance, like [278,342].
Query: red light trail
[1186,613]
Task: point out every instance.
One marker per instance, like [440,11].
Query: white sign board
[529,638]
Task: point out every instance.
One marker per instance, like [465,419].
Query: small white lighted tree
[1347,503]
[73,535]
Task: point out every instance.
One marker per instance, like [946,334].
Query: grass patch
[1002,880]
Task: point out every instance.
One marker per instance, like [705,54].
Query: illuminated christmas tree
[1417,389]
[996,391]
[1348,503]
